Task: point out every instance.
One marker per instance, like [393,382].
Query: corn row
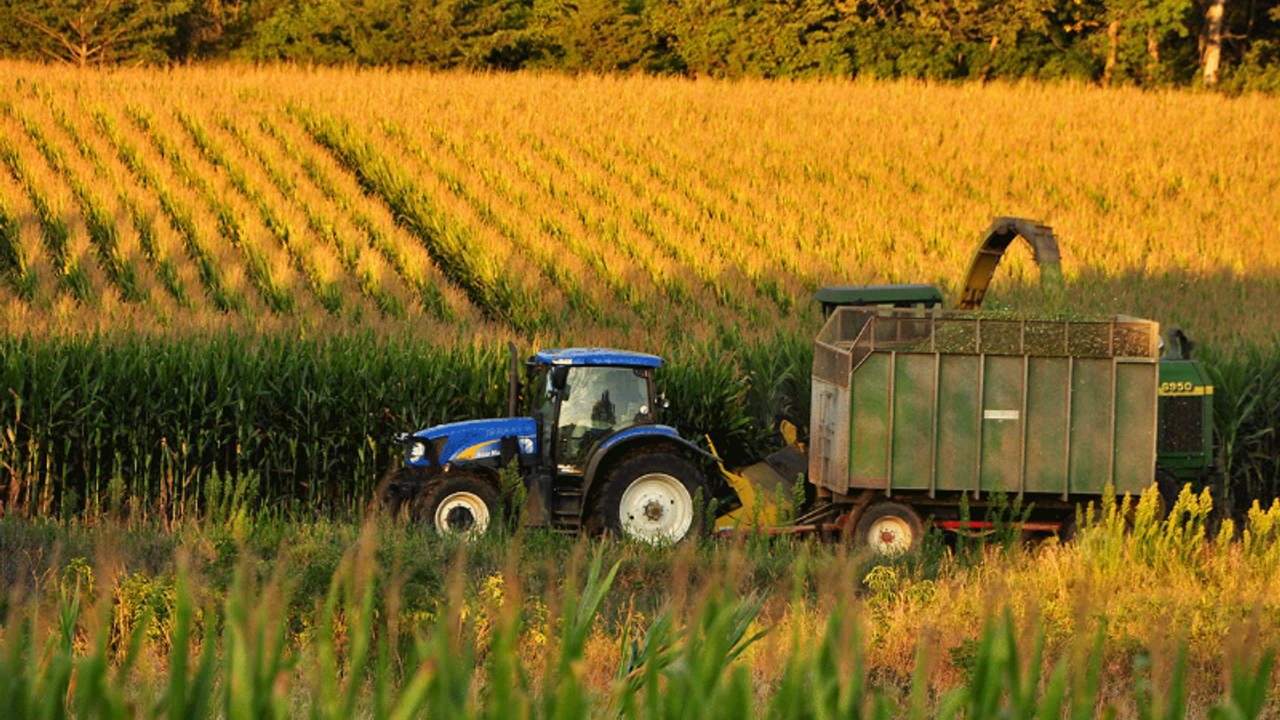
[465,263]
[230,222]
[176,209]
[374,223]
[560,269]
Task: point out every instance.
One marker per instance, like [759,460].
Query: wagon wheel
[1169,486]
[389,497]
[889,529]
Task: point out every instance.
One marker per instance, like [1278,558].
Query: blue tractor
[584,432]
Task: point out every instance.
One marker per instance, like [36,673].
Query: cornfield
[609,210]
[255,275]
[133,425]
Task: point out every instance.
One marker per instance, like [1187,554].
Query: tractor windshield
[595,403]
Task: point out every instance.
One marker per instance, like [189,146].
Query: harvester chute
[997,239]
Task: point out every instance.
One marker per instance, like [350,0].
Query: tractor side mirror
[559,375]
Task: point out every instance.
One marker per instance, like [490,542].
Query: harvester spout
[997,238]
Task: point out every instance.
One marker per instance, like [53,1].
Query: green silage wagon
[913,410]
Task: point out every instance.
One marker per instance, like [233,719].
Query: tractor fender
[632,438]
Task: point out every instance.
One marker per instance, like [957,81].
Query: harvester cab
[887,296]
[583,432]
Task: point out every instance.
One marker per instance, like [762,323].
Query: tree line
[1228,43]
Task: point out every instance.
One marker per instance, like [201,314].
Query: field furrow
[454,163]
[222,282]
[119,252]
[24,261]
[390,265]
[64,235]
[471,267]
[331,260]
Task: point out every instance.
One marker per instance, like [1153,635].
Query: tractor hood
[479,439]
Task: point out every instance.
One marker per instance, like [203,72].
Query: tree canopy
[1147,42]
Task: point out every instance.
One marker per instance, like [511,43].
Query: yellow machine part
[765,494]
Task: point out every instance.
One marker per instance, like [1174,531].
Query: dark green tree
[211,29]
[433,33]
[90,32]
[761,38]
[591,35]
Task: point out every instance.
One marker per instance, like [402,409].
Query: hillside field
[254,276]
[627,211]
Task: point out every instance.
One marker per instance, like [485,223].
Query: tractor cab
[584,397]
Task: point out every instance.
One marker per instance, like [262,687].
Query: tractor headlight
[416,450]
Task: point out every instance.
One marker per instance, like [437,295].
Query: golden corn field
[610,210]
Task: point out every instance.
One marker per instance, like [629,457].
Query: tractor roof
[598,356]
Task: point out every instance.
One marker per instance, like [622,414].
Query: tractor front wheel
[457,503]
[889,529]
[653,498]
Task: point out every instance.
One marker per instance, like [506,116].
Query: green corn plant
[54,230]
[1246,415]
[564,696]
[462,260]
[696,681]
[179,216]
[1251,689]
[279,298]
[103,227]
[1003,684]
[430,295]
[228,220]
[1168,702]
[12,257]
[829,680]
[100,224]
[546,257]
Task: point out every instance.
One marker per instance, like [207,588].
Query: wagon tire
[1068,530]
[653,498]
[889,529]
[457,503]
[386,502]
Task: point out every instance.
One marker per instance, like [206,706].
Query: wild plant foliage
[349,622]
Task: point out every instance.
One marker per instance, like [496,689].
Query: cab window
[597,402]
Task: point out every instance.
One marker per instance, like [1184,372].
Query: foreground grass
[278,619]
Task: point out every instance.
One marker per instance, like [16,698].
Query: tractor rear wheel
[461,503]
[889,529]
[653,498]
